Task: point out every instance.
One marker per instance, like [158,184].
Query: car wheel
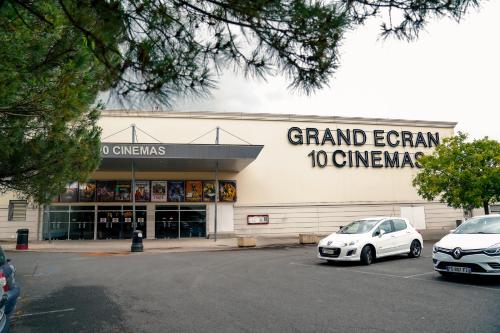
[415,249]
[367,255]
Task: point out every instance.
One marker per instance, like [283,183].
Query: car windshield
[358,227]
[480,225]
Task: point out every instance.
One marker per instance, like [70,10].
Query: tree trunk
[486,207]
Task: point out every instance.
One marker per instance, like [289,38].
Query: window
[386,226]
[17,210]
[399,225]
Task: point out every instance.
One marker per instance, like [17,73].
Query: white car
[472,248]
[366,239]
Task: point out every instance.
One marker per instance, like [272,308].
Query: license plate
[327,251]
[454,269]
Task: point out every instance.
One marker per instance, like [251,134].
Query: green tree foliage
[462,174]
[49,80]
[174,47]
[56,55]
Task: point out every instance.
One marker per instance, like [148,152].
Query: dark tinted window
[399,225]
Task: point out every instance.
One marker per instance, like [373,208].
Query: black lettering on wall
[312,133]
[376,159]
[389,140]
[407,160]
[321,158]
[350,158]
[313,157]
[341,136]
[378,138]
[433,139]
[327,136]
[363,158]
[407,138]
[356,133]
[296,139]
[334,157]
[420,140]
[418,154]
[391,161]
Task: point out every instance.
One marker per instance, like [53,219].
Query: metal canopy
[177,157]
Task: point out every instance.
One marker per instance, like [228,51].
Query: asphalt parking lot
[264,290]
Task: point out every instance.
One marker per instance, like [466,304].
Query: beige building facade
[312,174]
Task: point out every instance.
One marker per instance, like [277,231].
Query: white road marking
[43,313]
[411,276]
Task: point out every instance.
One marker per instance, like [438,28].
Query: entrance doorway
[115,222]
[180,221]
[69,222]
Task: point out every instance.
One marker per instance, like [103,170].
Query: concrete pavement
[150,245]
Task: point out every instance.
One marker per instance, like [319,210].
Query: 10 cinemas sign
[384,154]
[131,150]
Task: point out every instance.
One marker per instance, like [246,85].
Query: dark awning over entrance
[176,157]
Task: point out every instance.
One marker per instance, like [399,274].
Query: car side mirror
[381,233]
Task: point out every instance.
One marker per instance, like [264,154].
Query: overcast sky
[451,73]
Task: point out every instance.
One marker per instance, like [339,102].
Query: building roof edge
[275,117]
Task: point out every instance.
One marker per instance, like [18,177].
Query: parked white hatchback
[366,239]
[472,248]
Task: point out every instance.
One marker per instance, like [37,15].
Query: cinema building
[261,174]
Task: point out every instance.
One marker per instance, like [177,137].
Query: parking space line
[414,275]
[42,313]
[370,273]
[409,277]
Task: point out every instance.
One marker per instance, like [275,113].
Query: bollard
[137,242]
[22,239]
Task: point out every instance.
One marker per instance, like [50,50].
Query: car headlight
[435,249]
[493,250]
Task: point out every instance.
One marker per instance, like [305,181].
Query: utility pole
[134,224]
[216,185]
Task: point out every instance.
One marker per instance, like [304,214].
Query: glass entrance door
[108,222]
[167,223]
[81,222]
[69,222]
[115,222]
[180,221]
[193,221]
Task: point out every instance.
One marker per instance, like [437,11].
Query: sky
[451,73]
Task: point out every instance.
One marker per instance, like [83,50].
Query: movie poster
[123,190]
[175,190]
[159,190]
[71,194]
[87,192]
[193,190]
[106,190]
[208,191]
[142,190]
[227,190]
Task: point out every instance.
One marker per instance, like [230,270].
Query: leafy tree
[49,80]
[174,47]
[56,55]
[462,174]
